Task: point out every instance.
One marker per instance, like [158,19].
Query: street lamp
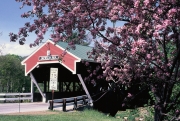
[22,90]
[23,87]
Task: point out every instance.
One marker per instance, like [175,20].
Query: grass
[130,114]
[85,115]
[141,113]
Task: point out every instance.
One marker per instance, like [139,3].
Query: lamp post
[21,91]
[23,87]
[19,100]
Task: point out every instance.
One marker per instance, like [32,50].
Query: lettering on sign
[52,57]
[53,78]
[53,84]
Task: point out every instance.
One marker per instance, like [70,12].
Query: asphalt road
[6,108]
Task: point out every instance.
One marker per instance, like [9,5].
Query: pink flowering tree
[146,47]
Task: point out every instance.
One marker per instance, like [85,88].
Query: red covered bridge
[71,70]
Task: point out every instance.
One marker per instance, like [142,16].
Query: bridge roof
[69,60]
[80,51]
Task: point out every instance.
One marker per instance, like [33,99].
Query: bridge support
[86,90]
[35,82]
[32,90]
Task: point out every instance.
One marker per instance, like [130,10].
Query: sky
[11,21]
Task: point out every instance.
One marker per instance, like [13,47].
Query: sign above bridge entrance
[51,57]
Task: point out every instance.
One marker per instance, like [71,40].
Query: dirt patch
[35,113]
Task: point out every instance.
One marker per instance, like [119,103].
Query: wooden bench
[8,96]
[75,101]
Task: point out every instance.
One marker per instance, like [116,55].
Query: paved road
[6,108]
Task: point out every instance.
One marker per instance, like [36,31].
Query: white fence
[15,96]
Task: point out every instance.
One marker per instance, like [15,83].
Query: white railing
[20,96]
[74,101]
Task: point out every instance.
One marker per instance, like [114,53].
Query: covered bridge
[71,71]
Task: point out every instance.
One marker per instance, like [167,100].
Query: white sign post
[53,78]
[53,81]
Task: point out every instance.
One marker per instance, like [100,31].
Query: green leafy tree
[12,74]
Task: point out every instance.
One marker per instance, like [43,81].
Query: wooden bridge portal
[70,70]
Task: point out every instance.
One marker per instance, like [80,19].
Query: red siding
[68,59]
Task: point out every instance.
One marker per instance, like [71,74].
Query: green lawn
[86,115]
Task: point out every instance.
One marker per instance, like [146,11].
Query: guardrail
[20,96]
[75,101]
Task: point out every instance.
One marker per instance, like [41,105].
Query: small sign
[53,84]
[53,78]
[51,57]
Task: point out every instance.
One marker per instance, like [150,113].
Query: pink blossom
[140,41]
[177,111]
[167,22]
[156,34]
[129,95]
[159,11]
[167,74]
[159,27]
[168,64]
[75,9]
[102,28]
[138,28]
[171,12]
[136,4]
[155,16]
[34,9]
[114,18]
[148,56]
[173,1]
[146,2]
[133,50]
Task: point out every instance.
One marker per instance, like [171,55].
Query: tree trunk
[158,114]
